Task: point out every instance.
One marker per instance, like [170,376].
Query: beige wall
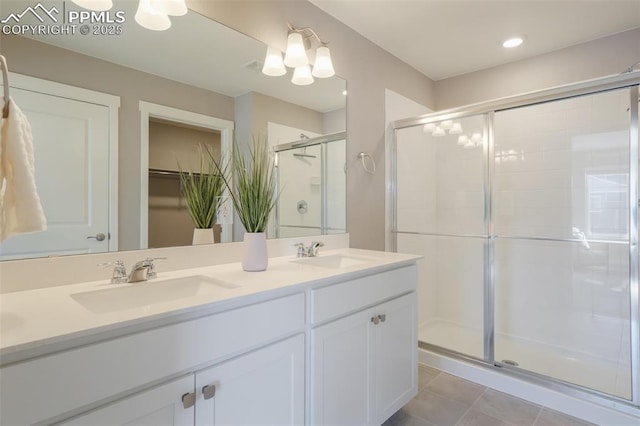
[51,63]
[368,69]
[605,56]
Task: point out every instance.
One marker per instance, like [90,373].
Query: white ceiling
[445,38]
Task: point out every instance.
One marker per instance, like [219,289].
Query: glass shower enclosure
[526,212]
[310,176]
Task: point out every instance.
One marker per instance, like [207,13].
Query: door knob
[100,236]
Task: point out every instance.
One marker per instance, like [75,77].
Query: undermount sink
[332,261]
[137,295]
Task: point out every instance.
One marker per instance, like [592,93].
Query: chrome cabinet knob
[375,320]
[382,317]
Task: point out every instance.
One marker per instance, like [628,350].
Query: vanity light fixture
[456,128]
[151,14]
[302,75]
[438,131]
[462,140]
[296,54]
[273,65]
[298,42]
[170,7]
[97,5]
[446,124]
[150,18]
[429,127]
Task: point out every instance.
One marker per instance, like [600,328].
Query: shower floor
[572,367]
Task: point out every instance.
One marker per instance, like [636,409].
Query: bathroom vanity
[324,340]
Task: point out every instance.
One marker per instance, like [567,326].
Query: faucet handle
[302,251]
[119,271]
[151,269]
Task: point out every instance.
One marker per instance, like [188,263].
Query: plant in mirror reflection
[203,191]
[252,185]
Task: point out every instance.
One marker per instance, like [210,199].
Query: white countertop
[40,321]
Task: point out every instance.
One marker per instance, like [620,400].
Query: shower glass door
[299,181]
[562,225]
[440,203]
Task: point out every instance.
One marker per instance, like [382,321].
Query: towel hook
[5,85]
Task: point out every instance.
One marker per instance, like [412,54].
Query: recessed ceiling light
[512,42]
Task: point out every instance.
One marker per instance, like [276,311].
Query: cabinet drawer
[37,390]
[340,299]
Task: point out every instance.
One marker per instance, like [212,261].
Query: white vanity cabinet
[325,349]
[141,375]
[264,386]
[364,364]
[160,405]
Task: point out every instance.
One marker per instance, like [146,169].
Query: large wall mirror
[168,92]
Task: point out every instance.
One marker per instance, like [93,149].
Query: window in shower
[561,216]
[440,175]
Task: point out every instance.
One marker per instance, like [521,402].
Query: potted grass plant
[253,193]
[203,194]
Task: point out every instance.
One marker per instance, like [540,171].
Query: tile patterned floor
[446,400]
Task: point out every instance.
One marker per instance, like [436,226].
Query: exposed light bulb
[97,5]
[150,18]
[296,55]
[273,65]
[302,76]
[323,67]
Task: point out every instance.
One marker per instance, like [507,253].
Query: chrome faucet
[139,271]
[142,271]
[311,251]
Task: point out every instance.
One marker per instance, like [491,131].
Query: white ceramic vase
[202,236]
[254,252]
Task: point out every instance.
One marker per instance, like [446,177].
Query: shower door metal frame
[627,80]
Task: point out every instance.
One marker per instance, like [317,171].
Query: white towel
[20,208]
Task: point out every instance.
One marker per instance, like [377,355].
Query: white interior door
[71,146]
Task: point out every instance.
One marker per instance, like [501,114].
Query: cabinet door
[396,355]
[263,387]
[159,406]
[342,368]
